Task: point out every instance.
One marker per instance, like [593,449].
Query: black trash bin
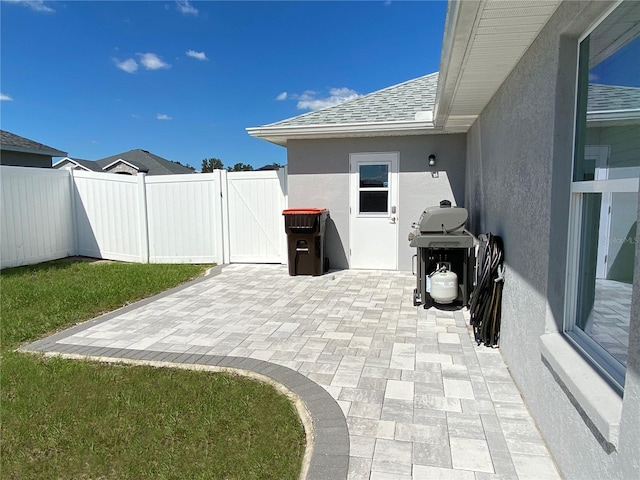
[305,240]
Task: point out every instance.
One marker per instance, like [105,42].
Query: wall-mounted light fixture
[432,160]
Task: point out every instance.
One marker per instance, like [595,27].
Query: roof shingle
[146,162]
[612,97]
[11,141]
[399,102]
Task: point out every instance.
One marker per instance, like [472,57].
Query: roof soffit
[483,41]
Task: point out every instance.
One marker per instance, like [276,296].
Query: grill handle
[414,261]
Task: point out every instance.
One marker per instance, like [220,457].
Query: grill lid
[442,219]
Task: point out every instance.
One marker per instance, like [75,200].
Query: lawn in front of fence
[78,419]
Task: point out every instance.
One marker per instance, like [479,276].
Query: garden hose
[486,300]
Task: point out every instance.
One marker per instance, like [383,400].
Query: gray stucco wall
[21,159]
[319,177]
[518,179]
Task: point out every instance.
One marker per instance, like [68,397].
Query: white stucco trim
[280,134]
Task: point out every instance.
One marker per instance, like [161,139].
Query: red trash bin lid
[304,211]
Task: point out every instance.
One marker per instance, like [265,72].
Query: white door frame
[600,155]
[382,235]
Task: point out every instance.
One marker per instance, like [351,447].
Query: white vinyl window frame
[601,359]
[387,189]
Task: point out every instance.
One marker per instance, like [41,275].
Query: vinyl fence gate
[220,217]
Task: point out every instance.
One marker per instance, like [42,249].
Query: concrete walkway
[420,399]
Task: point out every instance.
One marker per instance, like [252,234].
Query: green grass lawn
[68,419]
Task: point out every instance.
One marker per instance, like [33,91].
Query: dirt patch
[96,261]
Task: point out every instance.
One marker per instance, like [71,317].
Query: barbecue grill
[445,250]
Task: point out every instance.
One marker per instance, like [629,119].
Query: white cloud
[196,55]
[151,61]
[309,101]
[5,98]
[129,65]
[282,96]
[186,8]
[35,5]
[163,116]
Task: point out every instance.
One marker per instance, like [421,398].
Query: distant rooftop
[141,160]
[16,143]
[146,162]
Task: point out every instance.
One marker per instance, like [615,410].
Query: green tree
[211,164]
[241,167]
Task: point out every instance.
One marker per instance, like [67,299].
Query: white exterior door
[373,225]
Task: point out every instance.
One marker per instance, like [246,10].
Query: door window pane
[376,176]
[374,201]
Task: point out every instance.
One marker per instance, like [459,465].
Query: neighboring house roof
[88,165]
[612,103]
[402,109]
[15,143]
[146,162]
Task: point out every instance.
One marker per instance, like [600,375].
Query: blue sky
[183,79]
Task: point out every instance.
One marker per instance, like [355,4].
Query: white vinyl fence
[201,218]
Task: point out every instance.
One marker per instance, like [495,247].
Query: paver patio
[420,399]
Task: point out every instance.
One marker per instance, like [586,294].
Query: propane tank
[444,284]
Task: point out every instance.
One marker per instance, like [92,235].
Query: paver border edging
[327,450]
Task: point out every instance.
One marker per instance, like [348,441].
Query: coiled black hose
[486,300]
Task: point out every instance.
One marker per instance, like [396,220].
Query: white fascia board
[120,160]
[50,152]
[280,134]
[65,159]
[70,160]
[460,22]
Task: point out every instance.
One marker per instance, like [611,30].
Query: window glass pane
[607,255]
[608,136]
[373,202]
[374,176]
[607,148]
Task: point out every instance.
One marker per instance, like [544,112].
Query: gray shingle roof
[399,102]
[146,162]
[11,141]
[90,164]
[612,97]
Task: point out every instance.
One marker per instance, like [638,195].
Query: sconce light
[432,160]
